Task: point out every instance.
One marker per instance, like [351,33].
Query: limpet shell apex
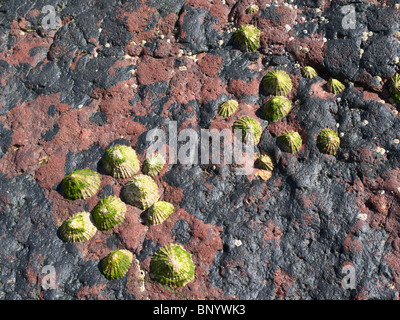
[81,184]
[173,265]
[251,130]
[227,108]
[247,38]
[153,164]
[141,191]
[290,141]
[159,212]
[328,141]
[277,82]
[121,161]
[116,264]
[78,228]
[109,212]
[276,108]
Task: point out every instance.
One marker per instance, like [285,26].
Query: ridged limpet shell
[159,212]
[121,161]
[153,164]
[247,38]
[335,86]
[265,162]
[141,191]
[277,82]
[109,212]
[227,108]
[172,265]
[81,184]
[290,141]
[251,130]
[276,108]
[78,228]
[328,141]
[116,264]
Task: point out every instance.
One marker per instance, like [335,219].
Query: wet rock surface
[113,70]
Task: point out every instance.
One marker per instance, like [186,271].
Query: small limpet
[121,161]
[308,72]
[335,86]
[276,108]
[252,9]
[116,264]
[227,108]
[173,265]
[251,130]
[290,141]
[277,82]
[328,141]
[394,87]
[153,164]
[81,184]
[109,212]
[78,228]
[247,38]
[265,162]
[141,191]
[159,212]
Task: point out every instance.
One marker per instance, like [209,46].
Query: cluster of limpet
[153,164]
[308,72]
[277,82]
[141,191]
[252,9]
[276,108]
[247,38]
[328,141]
[290,141]
[394,87]
[335,86]
[227,108]
[81,184]
[251,130]
[121,161]
[78,228]
[173,265]
[159,212]
[116,264]
[109,212]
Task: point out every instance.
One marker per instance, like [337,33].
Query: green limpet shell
[276,108]
[308,72]
[227,108]
[141,191]
[252,9]
[290,141]
[265,162]
[277,82]
[78,228]
[251,130]
[153,164]
[81,184]
[116,264]
[121,161]
[159,212]
[173,265]
[109,212]
[335,86]
[328,141]
[394,87]
[247,38]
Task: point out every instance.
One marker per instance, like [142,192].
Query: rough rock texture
[115,69]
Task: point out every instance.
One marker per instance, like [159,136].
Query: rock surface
[112,70]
